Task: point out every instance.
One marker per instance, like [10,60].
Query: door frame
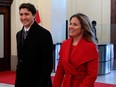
[5,62]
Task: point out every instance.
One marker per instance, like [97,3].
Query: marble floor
[6,85]
[108,78]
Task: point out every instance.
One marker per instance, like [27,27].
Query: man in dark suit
[34,51]
[94,23]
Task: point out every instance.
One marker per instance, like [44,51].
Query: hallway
[108,78]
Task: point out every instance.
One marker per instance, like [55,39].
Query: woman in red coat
[78,63]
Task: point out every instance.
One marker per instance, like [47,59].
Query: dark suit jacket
[35,58]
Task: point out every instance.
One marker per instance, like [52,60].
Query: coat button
[20,61]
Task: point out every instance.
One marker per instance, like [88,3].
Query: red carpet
[98,84]
[8,77]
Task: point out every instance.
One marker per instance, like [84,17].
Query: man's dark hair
[94,22]
[28,6]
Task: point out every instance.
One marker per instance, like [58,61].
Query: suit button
[20,61]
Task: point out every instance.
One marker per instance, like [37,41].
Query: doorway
[5,46]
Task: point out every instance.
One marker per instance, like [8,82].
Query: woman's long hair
[86,26]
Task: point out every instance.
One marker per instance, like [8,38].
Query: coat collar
[80,54]
[68,46]
[30,35]
[76,54]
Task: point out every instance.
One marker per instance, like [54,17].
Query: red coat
[82,68]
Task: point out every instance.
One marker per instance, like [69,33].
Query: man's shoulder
[19,31]
[39,27]
[43,30]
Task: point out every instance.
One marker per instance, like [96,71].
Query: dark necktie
[25,34]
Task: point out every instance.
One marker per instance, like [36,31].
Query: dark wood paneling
[5,62]
[5,10]
[5,2]
[113,25]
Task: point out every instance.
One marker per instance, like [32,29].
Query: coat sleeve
[46,61]
[59,75]
[59,72]
[92,67]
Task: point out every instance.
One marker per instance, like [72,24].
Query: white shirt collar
[26,29]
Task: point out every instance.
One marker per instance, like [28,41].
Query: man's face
[26,17]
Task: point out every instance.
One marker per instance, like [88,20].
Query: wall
[98,10]
[53,14]
[58,20]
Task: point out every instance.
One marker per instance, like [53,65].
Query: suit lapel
[20,39]
[31,34]
[77,52]
[76,55]
[66,56]
[67,49]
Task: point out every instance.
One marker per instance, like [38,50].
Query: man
[35,58]
[94,23]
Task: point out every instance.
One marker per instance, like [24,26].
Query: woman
[78,63]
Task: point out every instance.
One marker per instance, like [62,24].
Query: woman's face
[75,29]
